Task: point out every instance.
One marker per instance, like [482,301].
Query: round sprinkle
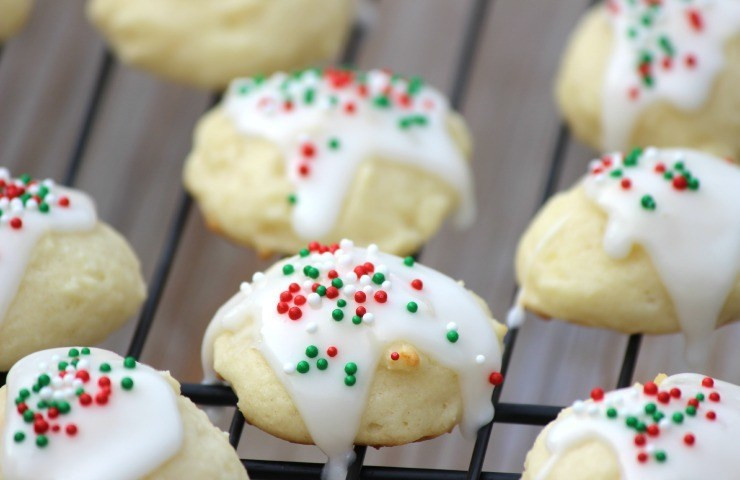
[127,383]
[19,437]
[302,366]
[350,380]
[611,412]
[648,202]
[409,261]
[73,352]
[42,441]
[378,278]
[312,351]
[337,314]
[597,394]
[453,336]
[331,351]
[395,356]
[129,362]
[413,307]
[350,368]
[495,378]
[288,269]
[322,364]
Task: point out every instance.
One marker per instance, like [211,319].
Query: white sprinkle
[69,392]
[365,280]
[372,249]
[479,359]
[258,277]
[245,288]
[314,300]
[311,327]
[55,358]
[288,368]
[56,382]
[368,318]
[77,383]
[43,366]
[382,269]
[16,205]
[649,448]
[50,198]
[579,407]
[386,285]
[68,380]
[308,285]
[58,395]
[4,173]
[452,326]
[650,152]
[45,393]
[83,364]
[344,260]
[48,183]
[70,368]
[31,204]
[664,424]
[592,409]
[346,244]
[349,290]
[368,289]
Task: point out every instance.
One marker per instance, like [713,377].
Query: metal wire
[218,395]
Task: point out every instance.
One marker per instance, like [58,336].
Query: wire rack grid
[223,396]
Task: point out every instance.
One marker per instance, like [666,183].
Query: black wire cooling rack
[215,395]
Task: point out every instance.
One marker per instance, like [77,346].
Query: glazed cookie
[681,427]
[655,73]
[13,17]
[344,345]
[66,276]
[331,154]
[89,414]
[207,44]
[648,242]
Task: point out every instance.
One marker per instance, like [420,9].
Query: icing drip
[87,414]
[327,123]
[672,202]
[671,50]
[323,319]
[29,209]
[683,430]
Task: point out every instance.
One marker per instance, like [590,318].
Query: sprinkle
[413,308]
[331,351]
[322,364]
[129,362]
[648,202]
[302,366]
[452,336]
[127,383]
[409,261]
[597,394]
[395,356]
[350,380]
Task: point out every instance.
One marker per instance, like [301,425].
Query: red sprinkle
[417,284]
[331,351]
[303,170]
[708,382]
[40,426]
[395,356]
[714,396]
[71,429]
[282,307]
[294,287]
[286,296]
[360,297]
[64,202]
[381,296]
[299,300]
[295,313]
[653,430]
[308,150]
[680,183]
[689,439]
[16,223]
[85,399]
[660,168]
[650,388]
[495,378]
[22,407]
[675,393]
[642,457]
[332,274]
[640,440]
[695,19]
[690,60]
[626,183]
[693,402]
[101,398]
[104,382]
[597,394]
[53,412]
[332,292]
[711,415]
[361,311]
[664,397]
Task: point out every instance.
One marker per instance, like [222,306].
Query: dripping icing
[698,204]
[330,408]
[47,207]
[112,439]
[327,123]
[675,55]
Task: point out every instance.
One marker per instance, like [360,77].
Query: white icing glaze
[677,232]
[128,437]
[684,84]
[330,409]
[366,132]
[18,244]
[712,455]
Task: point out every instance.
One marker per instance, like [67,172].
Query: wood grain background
[133,162]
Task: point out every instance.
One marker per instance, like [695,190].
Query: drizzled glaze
[326,123]
[87,414]
[29,209]
[323,319]
[684,429]
[670,50]
[673,202]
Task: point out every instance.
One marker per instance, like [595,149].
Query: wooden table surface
[133,160]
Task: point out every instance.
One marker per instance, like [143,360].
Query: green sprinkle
[661,456]
[694,184]
[25,178]
[415,85]
[321,290]
[304,252]
[412,307]
[647,202]
[378,278]
[641,426]
[337,314]
[44,380]
[334,143]
[691,410]
[79,391]
[658,416]
[382,101]
[43,191]
[341,303]
[666,45]
[631,422]
[44,208]
[24,393]
[357,319]
[127,383]
[350,380]
[293,199]
[105,367]
[42,405]
[28,416]
[63,406]
[36,388]
[129,362]
[302,366]
[633,157]
[650,408]
[350,368]
[668,175]
[42,441]
[680,166]
[61,366]
[409,261]
[288,269]
[73,352]
[312,351]
[243,89]
[611,412]
[19,437]
[337,282]
[322,364]
[309,95]
[700,397]
[452,336]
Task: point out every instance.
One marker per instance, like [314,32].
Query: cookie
[207,44]
[14,16]
[331,154]
[343,345]
[88,414]
[676,428]
[655,73]
[647,242]
[66,276]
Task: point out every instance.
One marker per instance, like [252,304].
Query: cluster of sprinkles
[327,122]
[23,194]
[329,318]
[664,50]
[654,46]
[618,166]
[67,383]
[678,427]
